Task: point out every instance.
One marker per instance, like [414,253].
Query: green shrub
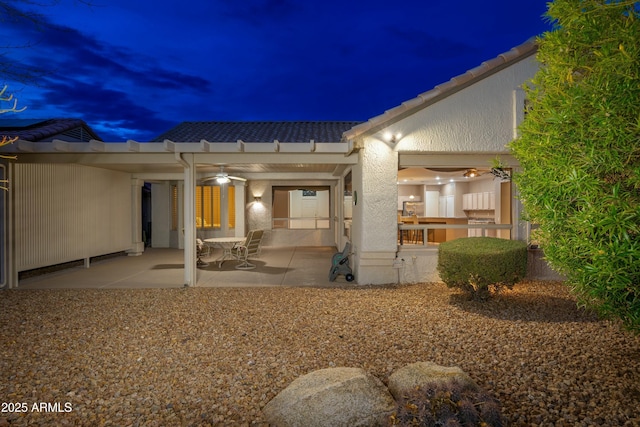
[448,404]
[477,264]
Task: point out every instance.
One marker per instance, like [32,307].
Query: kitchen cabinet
[431,203]
[447,206]
[485,201]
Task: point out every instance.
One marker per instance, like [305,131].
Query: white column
[137,245]
[190,272]
[240,207]
[338,212]
[8,252]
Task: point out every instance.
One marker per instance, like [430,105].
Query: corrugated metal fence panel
[68,212]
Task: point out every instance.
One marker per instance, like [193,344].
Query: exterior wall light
[392,137]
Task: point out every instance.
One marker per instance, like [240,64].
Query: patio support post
[190,272]
[8,261]
[240,206]
[137,245]
[375,215]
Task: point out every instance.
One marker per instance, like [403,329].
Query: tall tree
[579,149]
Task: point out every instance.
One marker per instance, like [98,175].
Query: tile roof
[320,131]
[43,130]
[444,90]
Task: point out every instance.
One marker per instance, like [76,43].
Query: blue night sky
[133,69]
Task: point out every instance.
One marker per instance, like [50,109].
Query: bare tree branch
[8,98]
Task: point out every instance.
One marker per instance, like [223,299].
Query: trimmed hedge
[477,264]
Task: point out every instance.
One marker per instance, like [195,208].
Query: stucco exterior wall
[66,212]
[481,118]
[375,220]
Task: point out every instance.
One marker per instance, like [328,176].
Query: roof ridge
[258,131]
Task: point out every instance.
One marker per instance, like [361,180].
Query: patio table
[226,244]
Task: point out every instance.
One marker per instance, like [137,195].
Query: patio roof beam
[133,146]
[276,158]
[203,146]
[159,176]
[97,146]
[169,158]
[453,159]
[97,158]
[60,145]
[288,176]
[339,170]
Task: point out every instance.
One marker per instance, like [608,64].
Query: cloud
[103,105]
[133,69]
[100,82]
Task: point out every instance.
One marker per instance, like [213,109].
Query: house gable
[450,104]
[39,130]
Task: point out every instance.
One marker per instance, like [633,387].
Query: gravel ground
[214,356]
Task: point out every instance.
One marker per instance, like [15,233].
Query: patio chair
[250,248]
[202,249]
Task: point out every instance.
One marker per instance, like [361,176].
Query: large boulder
[332,397]
[419,374]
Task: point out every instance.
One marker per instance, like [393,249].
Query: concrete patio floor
[163,268]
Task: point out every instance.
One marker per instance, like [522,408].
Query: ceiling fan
[502,174]
[222,177]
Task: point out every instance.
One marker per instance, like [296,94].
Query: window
[209,199]
[301,208]
[208,213]
[347,205]
[174,207]
[231,203]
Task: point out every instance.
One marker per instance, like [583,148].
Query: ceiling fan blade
[215,177]
[208,178]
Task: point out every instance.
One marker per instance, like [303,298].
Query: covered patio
[164,268]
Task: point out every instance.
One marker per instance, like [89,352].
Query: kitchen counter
[439,236]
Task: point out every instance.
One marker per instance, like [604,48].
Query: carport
[91,190]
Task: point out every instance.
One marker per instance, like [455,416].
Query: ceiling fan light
[470,173]
[222,180]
